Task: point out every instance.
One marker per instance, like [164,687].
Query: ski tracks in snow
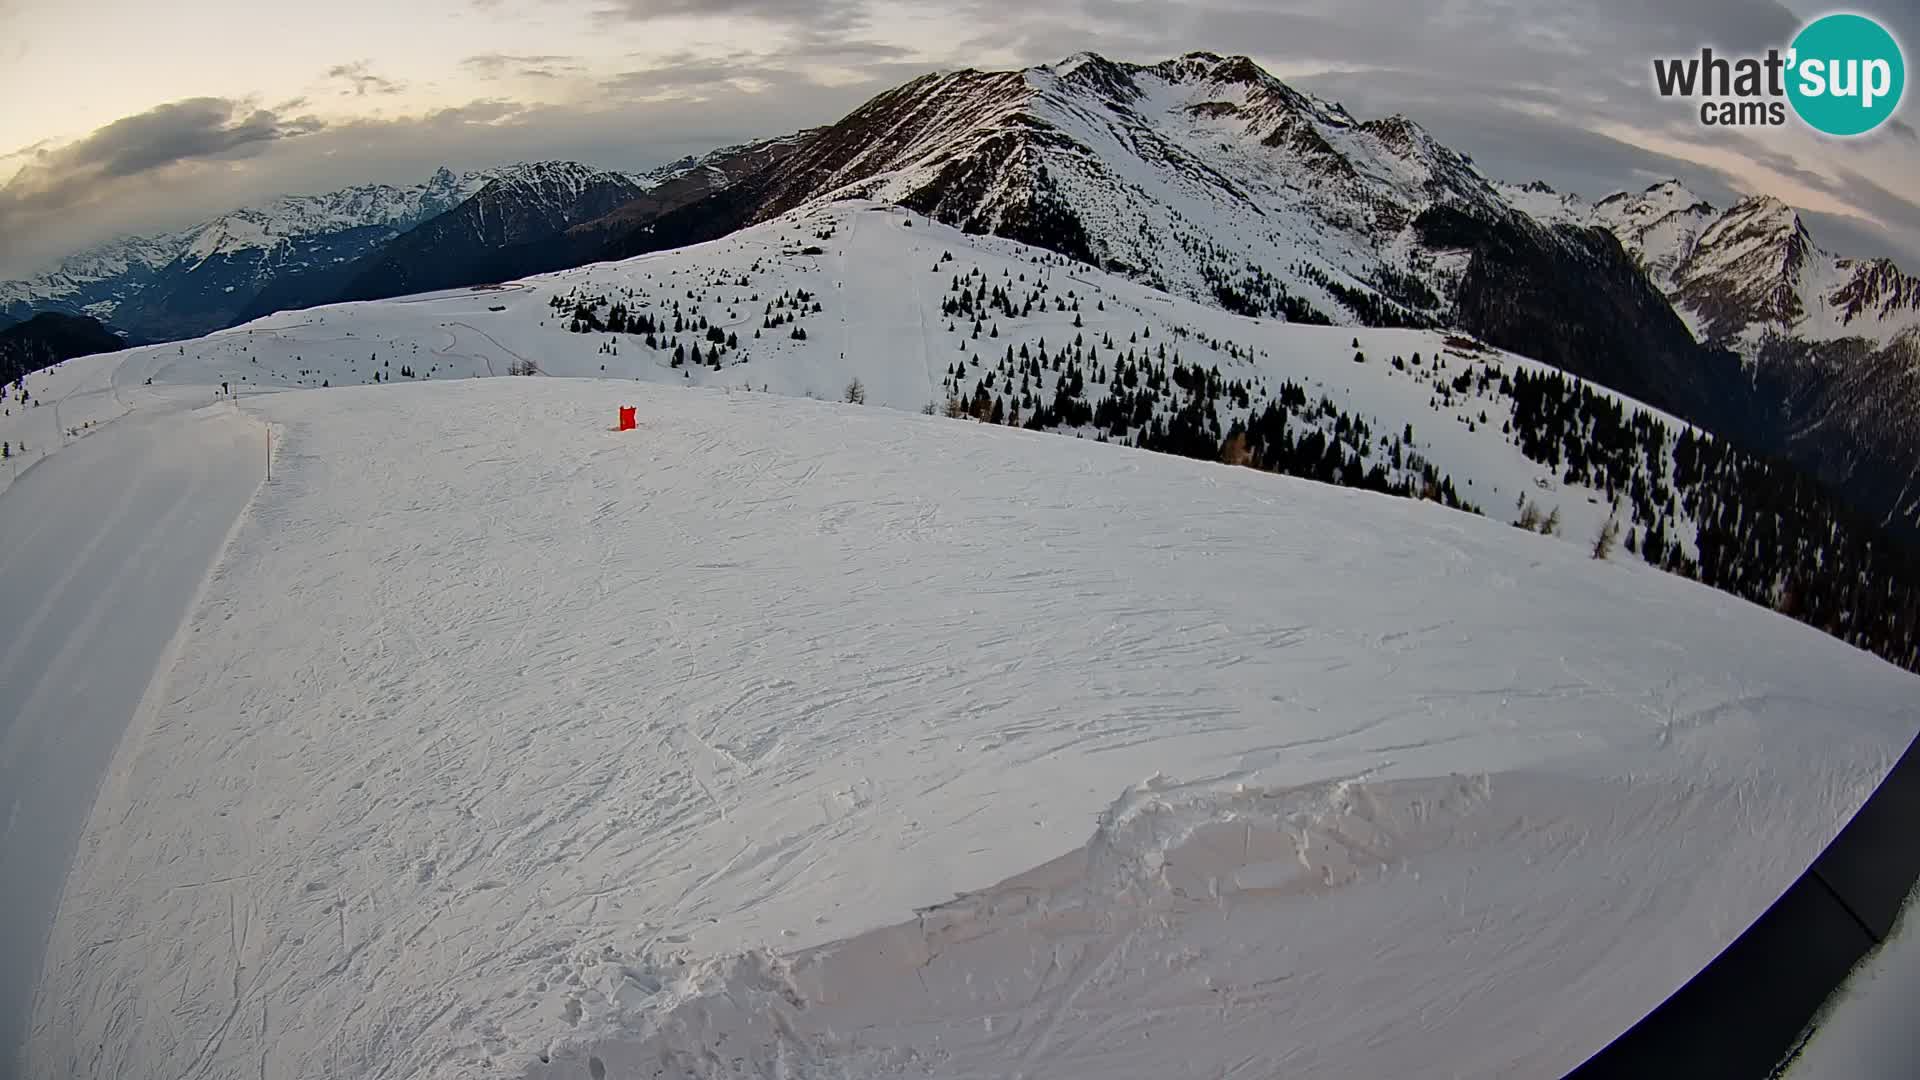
[521,732]
[105,546]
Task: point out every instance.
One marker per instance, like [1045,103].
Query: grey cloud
[509,65]
[614,134]
[28,150]
[783,69]
[162,136]
[1780,161]
[682,71]
[134,158]
[817,15]
[486,112]
[1888,206]
[1859,239]
[819,47]
[360,81]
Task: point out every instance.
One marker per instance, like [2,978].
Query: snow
[123,266]
[552,183]
[1194,173]
[1689,247]
[1544,204]
[1072,63]
[783,737]
[880,284]
[101,552]
[1867,1027]
[499,734]
[232,232]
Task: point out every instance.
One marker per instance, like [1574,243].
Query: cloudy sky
[126,115]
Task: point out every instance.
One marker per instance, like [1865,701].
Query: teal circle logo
[1846,74]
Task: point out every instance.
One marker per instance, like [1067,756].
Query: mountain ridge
[1741,272]
[541,218]
[1206,177]
[196,279]
[1827,347]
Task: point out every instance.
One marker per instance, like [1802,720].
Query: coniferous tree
[1603,540]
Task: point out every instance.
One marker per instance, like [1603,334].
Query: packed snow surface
[102,550]
[785,738]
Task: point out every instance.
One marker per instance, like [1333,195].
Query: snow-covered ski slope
[102,551]
[880,276]
[506,745]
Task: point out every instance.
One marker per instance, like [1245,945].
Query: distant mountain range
[1203,176]
[1829,346]
[368,242]
[1745,273]
[539,218]
[204,278]
[466,243]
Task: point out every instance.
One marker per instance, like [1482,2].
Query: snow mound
[500,735]
[1169,945]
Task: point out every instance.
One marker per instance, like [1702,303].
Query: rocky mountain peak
[1876,289]
[1745,268]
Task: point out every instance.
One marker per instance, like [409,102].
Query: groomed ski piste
[796,738]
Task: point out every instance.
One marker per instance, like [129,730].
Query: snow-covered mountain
[367,241]
[1208,178]
[527,220]
[242,263]
[1745,273]
[924,315]
[860,743]
[1202,175]
[790,738]
[95,280]
[198,279]
[1831,344]
[674,185]
[516,207]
